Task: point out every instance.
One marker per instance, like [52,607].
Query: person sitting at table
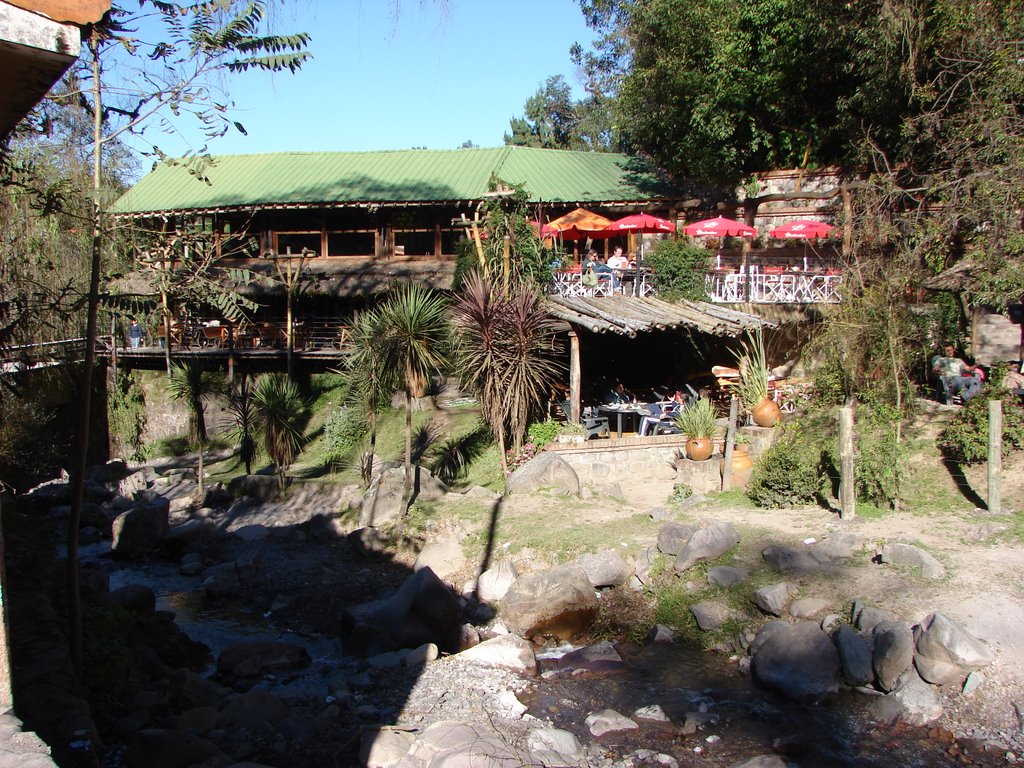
[618,261]
[605,273]
[590,261]
[658,413]
[618,395]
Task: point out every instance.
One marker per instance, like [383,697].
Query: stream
[718,716]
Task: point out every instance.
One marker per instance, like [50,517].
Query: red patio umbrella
[642,222]
[803,229]
[719,227]
[545,230]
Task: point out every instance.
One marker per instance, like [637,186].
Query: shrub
[541,433]
[343,431]
[965,438]
[515,459]
[679,270]
[787,474]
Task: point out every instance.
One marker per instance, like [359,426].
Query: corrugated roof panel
[383,177]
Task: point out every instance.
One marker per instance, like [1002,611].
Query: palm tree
[281,415]
[506,350]
[415,339]
[371,379]
[243,408]
[192,385]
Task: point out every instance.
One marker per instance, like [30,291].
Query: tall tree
[197,43]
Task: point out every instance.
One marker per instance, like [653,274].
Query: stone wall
[599,462]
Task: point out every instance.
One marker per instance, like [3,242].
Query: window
[296,241]
[350,243]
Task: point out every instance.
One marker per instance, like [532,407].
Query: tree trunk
[407,500]
[81,453]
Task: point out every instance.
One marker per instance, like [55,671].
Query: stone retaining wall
[597,462]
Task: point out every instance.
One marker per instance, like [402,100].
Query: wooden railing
[627,282]
[786,287]
[309,333]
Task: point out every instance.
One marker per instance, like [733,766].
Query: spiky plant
[371,379]
[753,369]
[193,385]
[243,409]
[506,352]
[281,416]
[415,335]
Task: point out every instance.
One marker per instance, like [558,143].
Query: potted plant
[571,433]
[697,422]
[753,381]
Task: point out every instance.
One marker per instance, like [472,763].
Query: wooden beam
[574,377]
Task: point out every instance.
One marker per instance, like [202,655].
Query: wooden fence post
[730,438]
[995,456]
[847,482]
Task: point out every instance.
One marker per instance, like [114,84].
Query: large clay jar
[698,448]
[766,413]
[741,465]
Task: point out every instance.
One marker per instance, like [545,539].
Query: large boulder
[799,661]
[672,537]
[912,701]
[505,651]
[604,569]
[915,557]
[547,472]
[854,656]
[946,652]
[559,602]
[384,499]
[893,652]
[259,488]
[140,530]
[493,583]
[423,610]
[444,557]
[708,543]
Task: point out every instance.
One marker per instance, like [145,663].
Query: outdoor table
[634,410]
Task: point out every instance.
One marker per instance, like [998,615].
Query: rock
[554,746]
[710,615]
[765,632]
[484,494]
[915,557]
[940,640]
[912,701]
[790,560]
[448,744]
[654,713]
[854,656]
[837,547]
[198,720]
[423,610]
[974,681]
[605,569]
[368,541]
[658,514]
[159,748]
[808,607]
[726,575]
[866,618]
[384,502]
[594,658]
[609,721]
[190,531]
[772,598]
[660,633]
[761,761]
[799,661]
[505,651]
[707,544]
[259,488]
[253,709]
[672,537]
[493,583]
[893,652]
[254,532]
[254,657]
[547,471]
[221,580]
[136,598]
[137,481]
[384,747]
[558,602]
[444,557]
[140,530]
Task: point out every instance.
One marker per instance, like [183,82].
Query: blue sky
[429,77]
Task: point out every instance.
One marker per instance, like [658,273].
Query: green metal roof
[412,175]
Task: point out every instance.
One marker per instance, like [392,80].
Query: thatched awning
[962,276]
[627,315]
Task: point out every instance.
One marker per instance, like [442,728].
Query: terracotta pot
[766,413]
[698,448]
[742,465]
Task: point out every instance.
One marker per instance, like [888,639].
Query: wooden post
[730,438]
[995,456]
[574,377]
[847,482]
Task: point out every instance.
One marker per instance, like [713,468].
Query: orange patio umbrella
[581,224]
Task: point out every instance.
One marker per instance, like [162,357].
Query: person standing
[135,334]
